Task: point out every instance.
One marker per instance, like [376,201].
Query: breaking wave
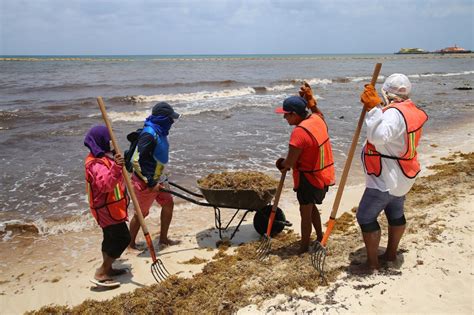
[189,97]
[440,74]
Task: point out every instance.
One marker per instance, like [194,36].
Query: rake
[265,246]
[158,269]
[318,249]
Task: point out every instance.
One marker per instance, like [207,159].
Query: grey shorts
[374,201]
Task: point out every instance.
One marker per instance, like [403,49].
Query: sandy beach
[433,272]
[224,70]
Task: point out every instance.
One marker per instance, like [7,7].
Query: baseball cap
[164,109]
[293,104]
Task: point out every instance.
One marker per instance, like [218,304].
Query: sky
[146,27]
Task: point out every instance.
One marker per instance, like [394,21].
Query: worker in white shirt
[390,162]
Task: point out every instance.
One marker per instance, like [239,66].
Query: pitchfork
[265,246]
[158,269]
[318,250]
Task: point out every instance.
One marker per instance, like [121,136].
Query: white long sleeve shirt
[387,132]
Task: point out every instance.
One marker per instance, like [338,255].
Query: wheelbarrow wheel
[261,217]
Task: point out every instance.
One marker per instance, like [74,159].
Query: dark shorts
[116,239]
[374,201]
[308,194]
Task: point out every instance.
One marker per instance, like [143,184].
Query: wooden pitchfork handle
[131,191]
[347,166]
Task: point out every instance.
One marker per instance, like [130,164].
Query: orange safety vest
[323,167]
[116,202]
[408,162]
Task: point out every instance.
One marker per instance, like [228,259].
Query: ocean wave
[189,97]
[12,228]
[47,227]
[359,79]
[126,116]
[227,93]
[190,110]
[272,88]
[317,81]
[280,87]
[298,81]
[415,75]
[436,74]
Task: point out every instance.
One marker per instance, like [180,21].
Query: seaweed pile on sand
[232,281]
[226,284]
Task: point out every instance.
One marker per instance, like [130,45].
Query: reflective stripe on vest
[116,203]
[414,119]
[324,162]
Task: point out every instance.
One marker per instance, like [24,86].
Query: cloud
[228,26]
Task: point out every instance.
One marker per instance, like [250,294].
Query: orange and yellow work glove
[370,97]
[306,93]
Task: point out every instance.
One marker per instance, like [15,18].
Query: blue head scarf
[98,141]
[161,124]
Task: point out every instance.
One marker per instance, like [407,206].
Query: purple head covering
[98,141]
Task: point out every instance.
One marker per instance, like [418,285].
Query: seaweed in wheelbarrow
[243,190]
[240,191]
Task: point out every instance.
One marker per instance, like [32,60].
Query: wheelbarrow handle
[199,203]
[285,223]
[186,190]
[185,197]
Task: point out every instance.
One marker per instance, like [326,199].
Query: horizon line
[213,54]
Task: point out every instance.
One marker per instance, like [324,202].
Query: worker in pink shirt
[108,201]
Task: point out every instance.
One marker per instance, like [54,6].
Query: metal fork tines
[318,257]
[264,248]
[158,270]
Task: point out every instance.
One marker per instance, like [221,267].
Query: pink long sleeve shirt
[102,181]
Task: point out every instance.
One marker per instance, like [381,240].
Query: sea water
[228,123]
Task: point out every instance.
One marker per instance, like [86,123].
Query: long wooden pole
[347,166]
[128,182]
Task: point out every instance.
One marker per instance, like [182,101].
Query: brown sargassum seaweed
[239,180]
[232,281]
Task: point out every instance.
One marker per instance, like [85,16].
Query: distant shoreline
[118,58]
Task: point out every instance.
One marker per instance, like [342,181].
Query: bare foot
[168,242]
[100,275]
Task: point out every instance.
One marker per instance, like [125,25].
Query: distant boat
[411,51]
[453,50]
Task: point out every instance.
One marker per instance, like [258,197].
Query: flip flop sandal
[108,283]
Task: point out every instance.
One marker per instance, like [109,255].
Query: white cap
[397,84]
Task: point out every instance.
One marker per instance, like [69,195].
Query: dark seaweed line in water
[31,59]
